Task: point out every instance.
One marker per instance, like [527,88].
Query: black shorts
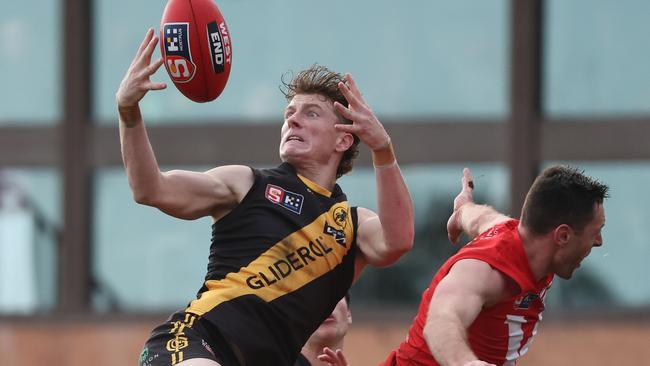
[182,337]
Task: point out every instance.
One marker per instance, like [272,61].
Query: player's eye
[312,114]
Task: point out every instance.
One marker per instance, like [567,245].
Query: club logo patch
[341,217]
[525,301]
[287,199]
[178,58]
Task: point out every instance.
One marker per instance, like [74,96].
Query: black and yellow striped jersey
[279,263]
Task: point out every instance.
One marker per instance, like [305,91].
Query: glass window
[433,188]
[31,62]
[594,62]
[423,59]
[30,222]
[610,274]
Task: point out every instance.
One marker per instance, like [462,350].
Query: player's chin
[292,155]
[566,275]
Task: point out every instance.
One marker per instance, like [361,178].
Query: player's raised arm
[382,237]
[183,194]
[468,216]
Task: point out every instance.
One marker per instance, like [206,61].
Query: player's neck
[537,251]
[311,351]
[323,176]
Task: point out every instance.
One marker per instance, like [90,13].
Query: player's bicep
[461,295]
[191,195]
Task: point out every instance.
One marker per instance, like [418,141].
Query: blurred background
[503,87]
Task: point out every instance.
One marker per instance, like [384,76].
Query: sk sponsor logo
[287,199]
[178,57]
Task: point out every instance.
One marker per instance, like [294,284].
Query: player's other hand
[454,225]
[364,122]
[333,358]
[137,82]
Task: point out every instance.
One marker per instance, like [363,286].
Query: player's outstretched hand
[364,122]
[333,358]
[454,226]
[137,82]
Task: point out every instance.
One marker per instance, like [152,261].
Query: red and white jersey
[501,333]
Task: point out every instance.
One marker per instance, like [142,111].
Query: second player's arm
[457,301]
[469,217]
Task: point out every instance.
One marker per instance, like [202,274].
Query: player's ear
[562,235]
[344,141]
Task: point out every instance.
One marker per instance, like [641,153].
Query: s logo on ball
[177,54]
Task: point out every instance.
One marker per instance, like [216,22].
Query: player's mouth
[294,138]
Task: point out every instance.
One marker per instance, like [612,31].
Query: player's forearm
[138,156]
[447,341]
[475,218]
[394,203]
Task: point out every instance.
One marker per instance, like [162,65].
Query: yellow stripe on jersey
[315,186]
[291,263]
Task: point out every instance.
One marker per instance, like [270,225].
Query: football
[196,47]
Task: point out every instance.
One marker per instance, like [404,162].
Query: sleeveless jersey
[501,333]
[279,263]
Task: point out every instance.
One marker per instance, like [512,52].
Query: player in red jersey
[485,303]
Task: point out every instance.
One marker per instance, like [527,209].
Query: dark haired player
[484,305]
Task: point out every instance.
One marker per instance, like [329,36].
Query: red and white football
[196,48]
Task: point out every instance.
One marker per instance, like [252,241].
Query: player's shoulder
[494,285]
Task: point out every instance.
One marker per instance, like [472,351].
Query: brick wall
[83,343]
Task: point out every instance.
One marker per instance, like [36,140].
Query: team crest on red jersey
[287,199]
[525,301]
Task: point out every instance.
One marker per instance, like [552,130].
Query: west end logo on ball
[219,43]
[177,52]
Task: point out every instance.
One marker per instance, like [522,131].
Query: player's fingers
[353,87]
[344,111]
[155,86]
[341,357]
[349,96]
[347,128]
[153,67]
[145,41]
[145,57]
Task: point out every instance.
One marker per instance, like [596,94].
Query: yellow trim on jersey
[315,187]
[291,263]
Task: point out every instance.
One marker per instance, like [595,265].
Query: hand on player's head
[454,227]
[136,82]
[365,124]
